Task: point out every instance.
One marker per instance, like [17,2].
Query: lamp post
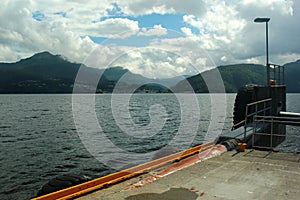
[266,20]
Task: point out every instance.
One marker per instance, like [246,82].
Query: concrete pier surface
[244,175]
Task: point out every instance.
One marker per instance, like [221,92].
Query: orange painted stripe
[79,190]
[208,153]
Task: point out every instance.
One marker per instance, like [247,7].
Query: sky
[155,38]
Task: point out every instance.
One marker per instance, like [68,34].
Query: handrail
[276,119]
[278,73]
[258,102]
[252,115]
[294,121]
[234,125]
[249,115]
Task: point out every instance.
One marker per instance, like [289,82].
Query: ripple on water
[66,166]
[8,141]
[5,126]
[83,156]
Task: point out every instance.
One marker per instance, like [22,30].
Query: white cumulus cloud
[142,7]
[111,28]
[213,32]
[156,30]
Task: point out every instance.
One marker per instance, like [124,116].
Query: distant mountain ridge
[233,77]
[47,73]
[292,76]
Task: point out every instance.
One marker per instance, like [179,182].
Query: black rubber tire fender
[243,97]
[61,182]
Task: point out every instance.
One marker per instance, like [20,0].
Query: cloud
[221,30]
[188,50]
[142,7]
[187,31]
[227,29]
[56,27]
[149,61]
[285,7]
[24,35]
[156,30]
[111,28]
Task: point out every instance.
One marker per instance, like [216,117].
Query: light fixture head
[261,19]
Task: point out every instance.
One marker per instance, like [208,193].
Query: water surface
[39,139]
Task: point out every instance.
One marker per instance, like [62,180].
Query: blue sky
[199,33]
[148,21]
[172,22]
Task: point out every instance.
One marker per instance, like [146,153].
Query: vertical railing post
[256,105]
[283,75]
[246,118]
[254,131]
[274,73]
[271,136]
[267,57]
[279,78]
[265,103]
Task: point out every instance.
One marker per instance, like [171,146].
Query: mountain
[47,73]
[41,73]
[292,74]
[37,73]
[170,82]
[117,72]
[233,77]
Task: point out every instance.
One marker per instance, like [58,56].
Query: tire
[230,144]
[61,182]
[243,97]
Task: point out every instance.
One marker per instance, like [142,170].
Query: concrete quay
[232,175]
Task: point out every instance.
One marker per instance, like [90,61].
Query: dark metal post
[266,20]
[267,52]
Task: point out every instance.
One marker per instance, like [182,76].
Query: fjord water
[39,139]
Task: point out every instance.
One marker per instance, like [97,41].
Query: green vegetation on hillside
[292,76]
[47,73]
[233,77]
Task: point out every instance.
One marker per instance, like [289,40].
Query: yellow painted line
[79,190]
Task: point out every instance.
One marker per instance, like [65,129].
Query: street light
[266,20]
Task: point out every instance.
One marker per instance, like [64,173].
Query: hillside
[292,74]
[234,76]
[47,73]
[41,73]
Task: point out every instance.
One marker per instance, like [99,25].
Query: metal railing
[293,121]
[277,73]
[262,107]
[249,115]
